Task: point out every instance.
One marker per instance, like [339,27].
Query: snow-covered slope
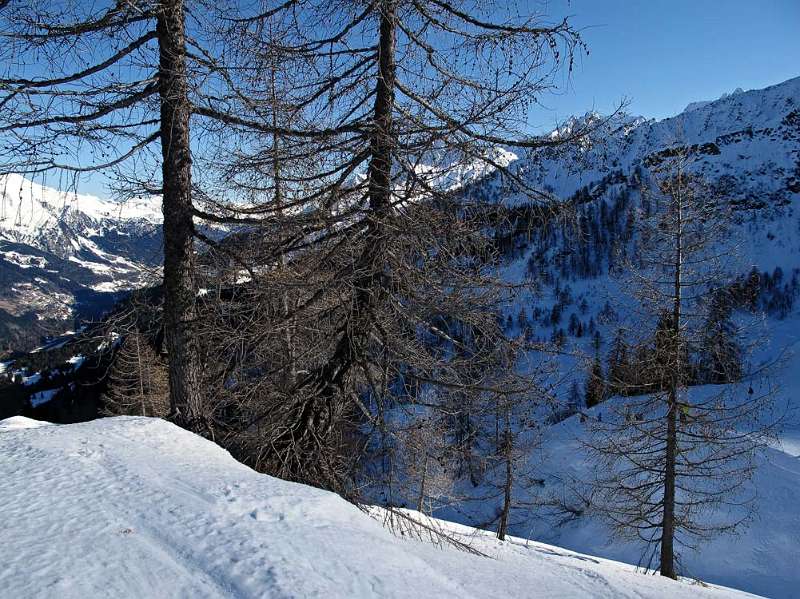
[748,142]
[762,557]
[747,147]
[135,507]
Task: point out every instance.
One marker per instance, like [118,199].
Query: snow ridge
[136,507]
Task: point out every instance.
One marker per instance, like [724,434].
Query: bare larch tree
[385,265]
[91,88]
[670,455]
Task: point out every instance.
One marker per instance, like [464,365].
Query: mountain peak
[788,88]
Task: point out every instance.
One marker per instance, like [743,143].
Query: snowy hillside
[747,146]
[134,507]
[762,558]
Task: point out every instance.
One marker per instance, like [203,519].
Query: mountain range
[66,256]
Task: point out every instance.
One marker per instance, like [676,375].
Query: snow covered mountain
[136,507]
[746,146]
[65,254]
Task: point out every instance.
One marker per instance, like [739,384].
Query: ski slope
[136,507]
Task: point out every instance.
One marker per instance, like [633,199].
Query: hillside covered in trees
[338,250]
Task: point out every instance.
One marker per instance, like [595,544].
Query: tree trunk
[370,284]
[141,373]
[675,364]
[668,523]
[508,447]
[315,416]
[288,322]
[179,276]
[382,145]
[421,498]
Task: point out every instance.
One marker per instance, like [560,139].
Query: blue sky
[663,54]
[660,55]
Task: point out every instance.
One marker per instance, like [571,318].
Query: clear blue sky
[663,54]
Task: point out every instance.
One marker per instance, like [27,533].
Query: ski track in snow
[135,507]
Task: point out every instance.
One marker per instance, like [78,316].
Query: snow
[136,507]
[703,103]
[20,422]
[41,226]
[28,206]
[207,526]
[112,286]
[24,261]
[93,266]
[448,173]
[764,557]
[42,397]
[32,379]
[77,361]
[761,559]
[758,147]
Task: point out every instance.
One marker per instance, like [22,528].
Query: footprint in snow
[262,515]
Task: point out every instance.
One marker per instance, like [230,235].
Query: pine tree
[137,381]
[721,353]
[596,389]
[574,399]
[619,367]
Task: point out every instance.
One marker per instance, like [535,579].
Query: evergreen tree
[574,324]
[597,339]
[596,389]
[721,354]
[137,381]
[619,367]
[522,319]
[574,399]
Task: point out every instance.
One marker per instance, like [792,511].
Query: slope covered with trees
[407,291]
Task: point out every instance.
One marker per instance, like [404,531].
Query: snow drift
[136,507]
